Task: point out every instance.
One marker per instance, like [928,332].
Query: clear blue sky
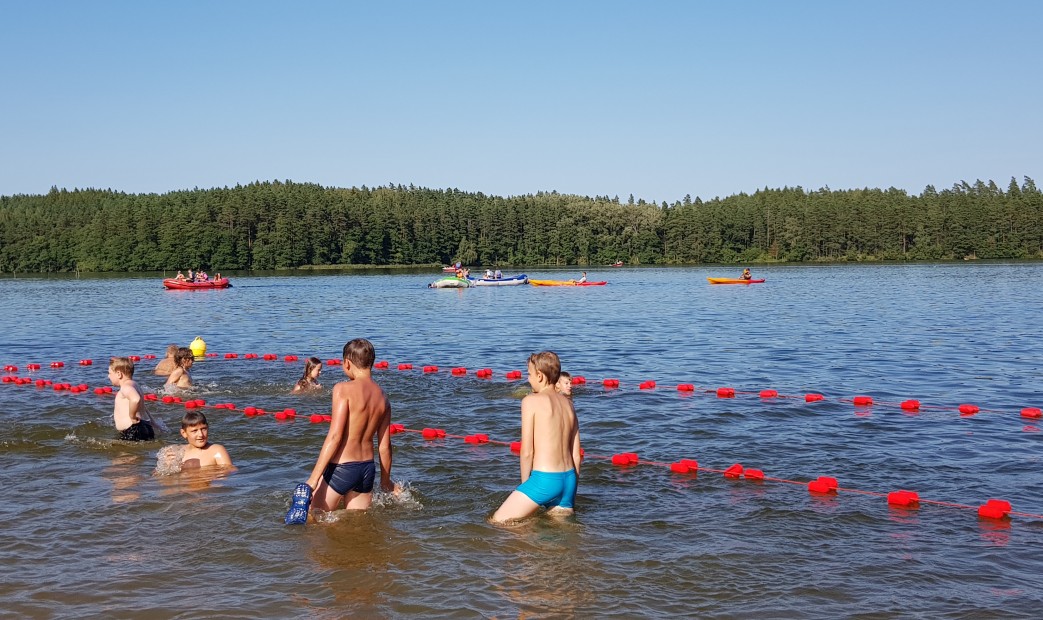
[654,99]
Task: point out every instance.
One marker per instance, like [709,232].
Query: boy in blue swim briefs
[345,470]
[550,449]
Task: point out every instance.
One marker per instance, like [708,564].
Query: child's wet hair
[547,362]
[564,375]
[360,352]
[171,350]
[122,364]
[193,417]
[183,355]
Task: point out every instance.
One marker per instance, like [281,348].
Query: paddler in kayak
[746,275]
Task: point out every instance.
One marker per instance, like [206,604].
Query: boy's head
[360,353]
[564,384]
[184,357]
[121,365]
[545,364]
[172,349]
[195,429]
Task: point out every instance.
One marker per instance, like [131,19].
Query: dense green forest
[276,225]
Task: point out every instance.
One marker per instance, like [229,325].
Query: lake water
[89,530]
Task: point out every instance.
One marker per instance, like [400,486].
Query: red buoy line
[824,485]
[861,401]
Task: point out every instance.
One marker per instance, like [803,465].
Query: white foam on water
[168,460]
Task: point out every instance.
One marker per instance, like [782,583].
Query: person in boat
[550,448]
[202,276]
[582,278]
[310,380]
[488,274]
[498,275]
[183,361]
[746,275]
[191,276]
[180,277]
[166,365]
[217,277]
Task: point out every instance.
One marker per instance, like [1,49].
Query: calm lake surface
[90,530]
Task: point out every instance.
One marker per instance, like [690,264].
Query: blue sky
[656,99]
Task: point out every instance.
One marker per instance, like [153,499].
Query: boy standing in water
[200,452]
[550,450]
[361,412]
[126,411]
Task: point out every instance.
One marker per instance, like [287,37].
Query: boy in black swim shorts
[345,470]
[126,410]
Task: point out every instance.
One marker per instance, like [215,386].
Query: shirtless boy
[550,451]
[200,452]
[183,361]
[167,365]
[126,411]
[345,468]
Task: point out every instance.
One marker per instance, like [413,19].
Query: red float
[405,367]
[725,392]
[579,380]
[769,393]
[908,499]
[910,405]
[862,400]
[734,471]
[430,368]
[513,374]
[459,371]
[969,409]
[1031,412]
[611,383]
[811,398]
[753,474]
[685,387]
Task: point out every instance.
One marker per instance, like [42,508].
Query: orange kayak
[733,281]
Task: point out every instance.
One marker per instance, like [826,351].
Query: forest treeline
[277,225]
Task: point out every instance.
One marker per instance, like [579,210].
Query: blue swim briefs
[356,476]
[549,489]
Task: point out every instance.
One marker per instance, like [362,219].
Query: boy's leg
[358,501]
[517,506]
[325,498]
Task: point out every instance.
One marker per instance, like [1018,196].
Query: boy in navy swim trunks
[550,450]
[361,412]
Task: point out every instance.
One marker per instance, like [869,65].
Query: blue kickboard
[298,512]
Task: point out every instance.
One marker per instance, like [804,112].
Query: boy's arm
[174,375]
[221,456]
[133,396]
[384,449]
[528,438]
[577,455]
[334,437]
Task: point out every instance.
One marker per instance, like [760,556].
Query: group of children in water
[345,471]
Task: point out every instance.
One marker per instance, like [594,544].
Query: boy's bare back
[363,408]
[554,430]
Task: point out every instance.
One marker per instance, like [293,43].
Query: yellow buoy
[198,347]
